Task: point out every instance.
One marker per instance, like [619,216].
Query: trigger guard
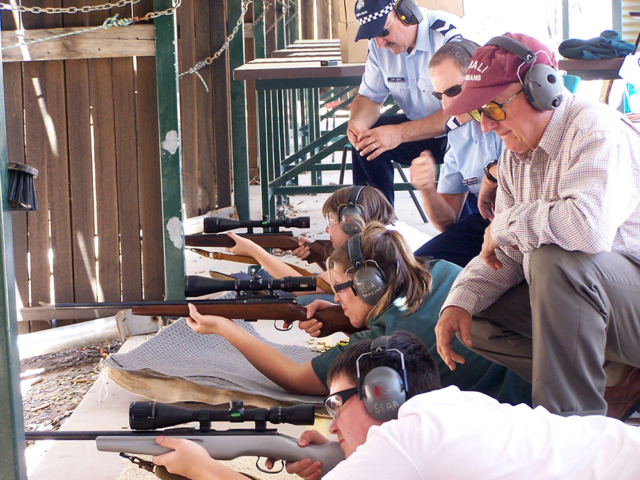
[270,472]
[275,325]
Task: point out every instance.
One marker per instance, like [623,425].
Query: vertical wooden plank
[105,173]
[221,103]
[149,173]
[101,78]
[189,108]
[52,112]
[15,146]
[80,168]
[204,102]
[336,5]
[323,18]
[127,177]
[307,19]
[41,146]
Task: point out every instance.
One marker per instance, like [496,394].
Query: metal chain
[225,45]
[56,10]
[88,9]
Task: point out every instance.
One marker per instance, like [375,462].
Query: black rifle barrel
[217,225]
[153,415]
[196,286]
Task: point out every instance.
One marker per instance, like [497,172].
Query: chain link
[56,10]
[225,45]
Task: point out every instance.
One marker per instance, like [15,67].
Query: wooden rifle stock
[282,240]
[333,319]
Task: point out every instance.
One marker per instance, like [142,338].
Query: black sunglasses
[343,286]
[335,401]
[385,30]
[449,92]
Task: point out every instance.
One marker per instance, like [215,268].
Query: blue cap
[372,15]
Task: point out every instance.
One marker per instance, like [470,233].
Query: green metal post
[616,15]
[565,20]
[292,15]
[281,27]
[170,151]
[239,147]
[12,462]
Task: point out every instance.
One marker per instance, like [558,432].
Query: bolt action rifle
[272,236]
[147,418]
[256,300]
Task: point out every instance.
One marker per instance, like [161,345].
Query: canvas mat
[178,364]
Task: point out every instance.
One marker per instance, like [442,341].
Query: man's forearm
[440,213]
[364,112]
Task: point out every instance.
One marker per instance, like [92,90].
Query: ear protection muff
[542,84]
[383,389]
[350,216]
[369,283]
[467,45]
[408,12]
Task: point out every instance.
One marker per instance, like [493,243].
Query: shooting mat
[178,364]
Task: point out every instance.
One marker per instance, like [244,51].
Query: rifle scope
[153,415]
[196,286]
[217,225]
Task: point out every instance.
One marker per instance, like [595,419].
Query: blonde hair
[406,275]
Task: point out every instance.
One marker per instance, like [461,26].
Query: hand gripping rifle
[272,236]
[256,300]
[146,418]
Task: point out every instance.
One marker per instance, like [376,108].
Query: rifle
[271,237]
[252,261]
[249,305]
[146,418]
[255,301]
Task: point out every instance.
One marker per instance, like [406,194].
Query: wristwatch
[487,172]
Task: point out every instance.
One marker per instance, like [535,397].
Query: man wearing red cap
[554,294]
[402,39]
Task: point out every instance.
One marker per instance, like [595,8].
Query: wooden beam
[134,40]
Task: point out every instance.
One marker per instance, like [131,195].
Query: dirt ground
[54,384]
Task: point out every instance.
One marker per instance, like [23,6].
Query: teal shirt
[477,373]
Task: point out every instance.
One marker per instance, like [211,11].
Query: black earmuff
[383,389]
[350,215]
[469,46]
[408,12]
[369,283]
[542,84]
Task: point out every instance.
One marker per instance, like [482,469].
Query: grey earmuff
[408,12]
[350,216]
[383,389]
[369,282]
[542,84]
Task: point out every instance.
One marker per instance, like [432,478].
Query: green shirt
[477,373]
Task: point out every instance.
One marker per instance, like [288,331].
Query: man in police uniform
[402,39]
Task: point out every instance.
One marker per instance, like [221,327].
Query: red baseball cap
[492,70]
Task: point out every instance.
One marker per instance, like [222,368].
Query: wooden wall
[90,127]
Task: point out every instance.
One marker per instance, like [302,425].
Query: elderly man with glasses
[470,150]
[402,39]
[554,293]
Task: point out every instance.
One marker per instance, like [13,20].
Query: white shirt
[454,435]
[414,237]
